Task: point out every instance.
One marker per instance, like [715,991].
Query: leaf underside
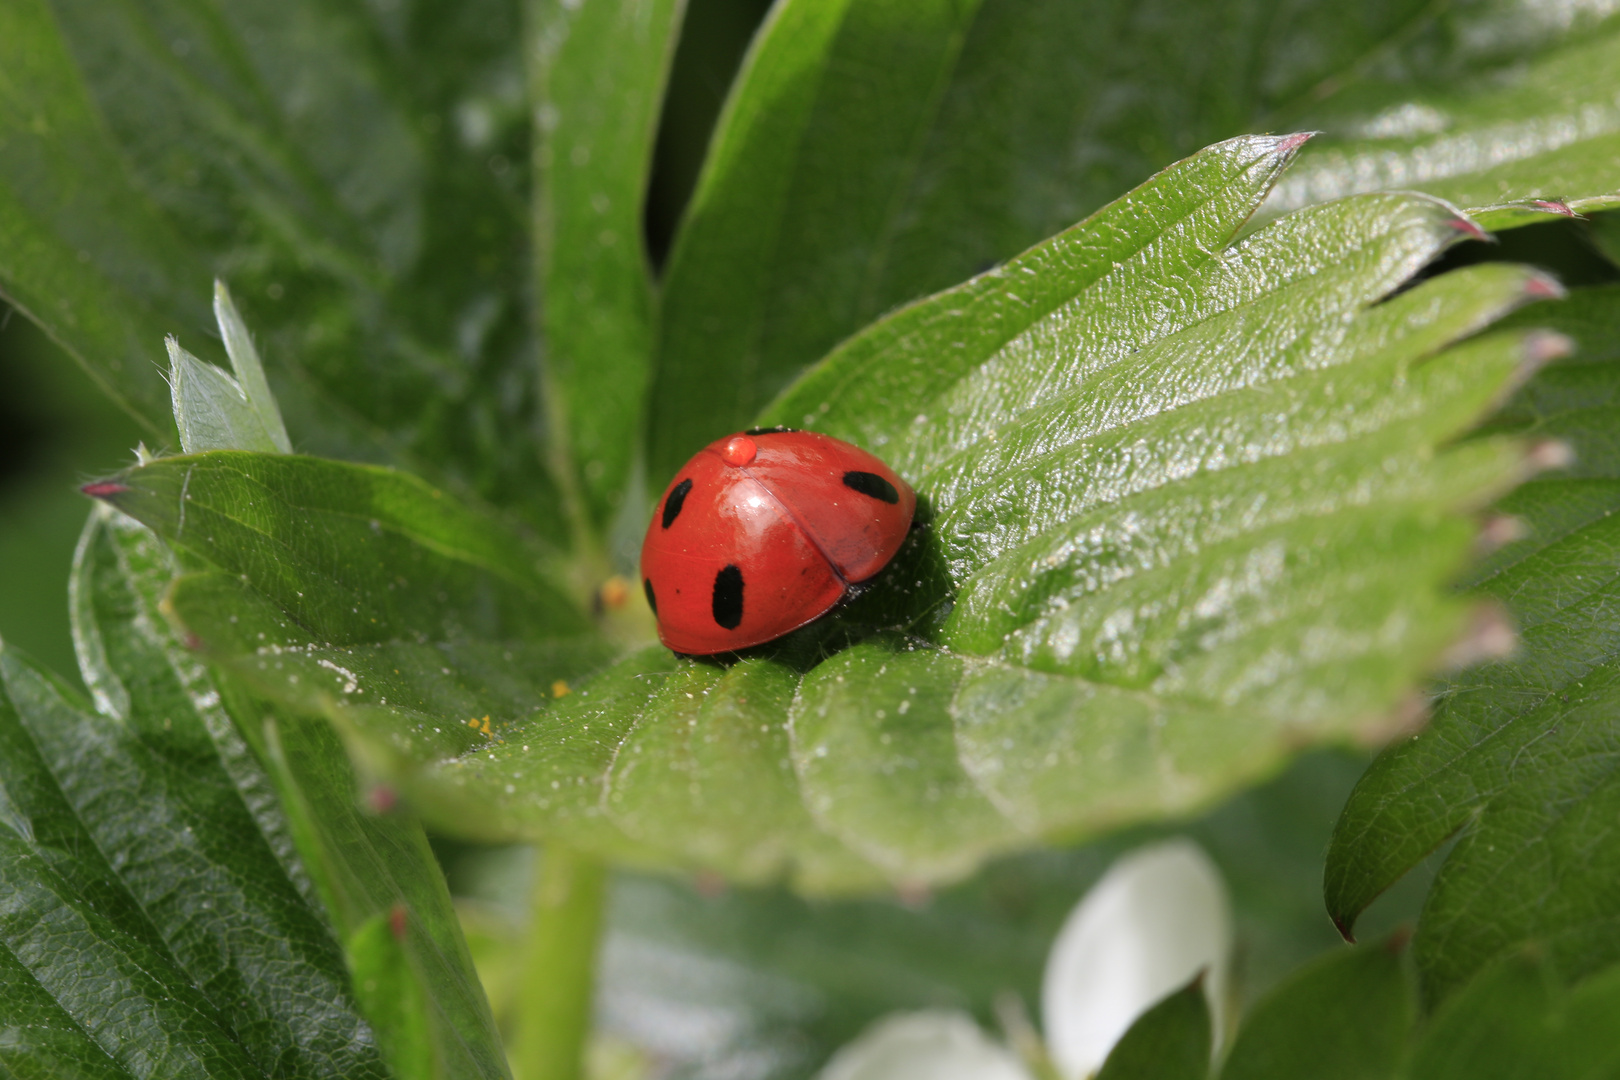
[1189,503]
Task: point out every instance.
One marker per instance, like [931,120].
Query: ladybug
[764,531]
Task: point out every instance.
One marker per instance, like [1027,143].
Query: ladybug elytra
[764,531]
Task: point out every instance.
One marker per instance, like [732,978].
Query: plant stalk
[559,965]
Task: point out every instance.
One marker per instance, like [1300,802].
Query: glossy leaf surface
[1517,757]
[1218,552]
[874,151]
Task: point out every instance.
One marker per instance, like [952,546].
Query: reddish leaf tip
[1398,939]
[1499,530]
[1554,206]
[1346,926]
[104,489]
[382,799]
[1295,141]
[1469,229]
[1551,454]
[1542,347]
[1490,636]
[1543,287]
[396,922]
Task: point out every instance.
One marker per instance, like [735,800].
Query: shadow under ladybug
[763,533]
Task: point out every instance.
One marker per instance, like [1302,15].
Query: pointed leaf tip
[1470,229]
[104,489]
[1292,143]
[249,369]
[382,800]
[1539,286]
[1497,531]
[1544,346]
[1551,454]
[1491,635]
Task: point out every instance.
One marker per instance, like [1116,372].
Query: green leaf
[1513,146]
[211,410]
[598,78]
[291,773]
[352,552]
[1517,756]
[1515,1020]
[392,993]
[874,151]
[353,171]
[1187,514]
[365,590]
[1347,1015]
[106,967]
[249,370]
[1605,234]
[1171,1041]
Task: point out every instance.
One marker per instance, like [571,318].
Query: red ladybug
[765,530]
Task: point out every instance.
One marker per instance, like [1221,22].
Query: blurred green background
[57,430]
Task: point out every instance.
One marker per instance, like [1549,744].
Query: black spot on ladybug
[677,497]
[778,430]
[728,597]
[870,484]
[652,601]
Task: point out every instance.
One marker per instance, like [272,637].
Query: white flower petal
[932,1045]
[1158,917]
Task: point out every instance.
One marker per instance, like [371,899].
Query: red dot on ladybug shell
[739,451]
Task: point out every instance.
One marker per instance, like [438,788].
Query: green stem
[560,966]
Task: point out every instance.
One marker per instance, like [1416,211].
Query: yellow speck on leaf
[485,728]
[614,593]
[559,689]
